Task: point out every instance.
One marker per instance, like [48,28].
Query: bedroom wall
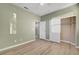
[63,13]
[25,25]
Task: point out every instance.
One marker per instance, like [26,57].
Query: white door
[42,30]
[54,30]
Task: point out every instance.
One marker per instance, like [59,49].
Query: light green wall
[25,25]
[74,8]
[77,26]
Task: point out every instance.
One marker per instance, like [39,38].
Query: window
[13,24]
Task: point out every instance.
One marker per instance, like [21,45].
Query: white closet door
[42,30]
[54,30]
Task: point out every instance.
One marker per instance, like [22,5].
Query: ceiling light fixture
[41,4]
[25,7]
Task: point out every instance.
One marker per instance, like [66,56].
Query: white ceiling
[39,10]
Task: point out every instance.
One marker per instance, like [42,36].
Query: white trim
[50,40]
[62,41]
[15,45]
[68,42]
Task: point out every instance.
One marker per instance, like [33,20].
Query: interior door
[42,30]
[36,30]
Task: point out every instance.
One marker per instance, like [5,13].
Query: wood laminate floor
[42,47]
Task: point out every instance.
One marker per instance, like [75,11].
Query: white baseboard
[51,40]
[3,49]
[77,46]
[68,42]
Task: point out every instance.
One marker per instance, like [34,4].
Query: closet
[68,29]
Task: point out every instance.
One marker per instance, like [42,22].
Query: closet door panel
[73,23]
[42,30]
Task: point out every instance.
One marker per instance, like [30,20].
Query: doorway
[68,26]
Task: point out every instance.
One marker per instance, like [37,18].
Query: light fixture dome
[41,4]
